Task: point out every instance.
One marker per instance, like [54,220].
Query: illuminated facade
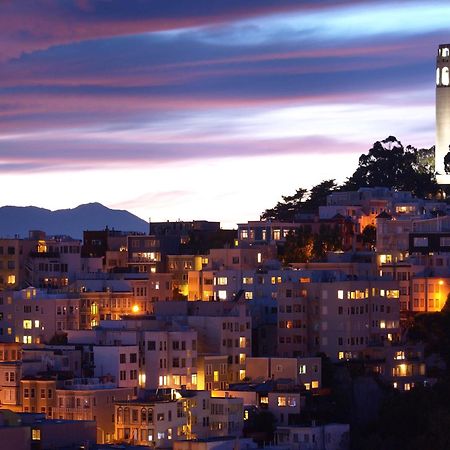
[442,152]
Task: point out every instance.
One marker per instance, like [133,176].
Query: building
[302,371]
[27,431]
[338,317]
[91,399]
[152,422]
[53,262]
[332,436]
[32,316]
[442,158]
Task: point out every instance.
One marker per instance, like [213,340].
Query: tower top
[443,51]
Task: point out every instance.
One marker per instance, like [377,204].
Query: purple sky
[202,108]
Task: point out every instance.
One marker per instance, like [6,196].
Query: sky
[206,109]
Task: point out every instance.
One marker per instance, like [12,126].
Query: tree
[369,235]
[288,208]
[318,195]
[302,201]
[389,164]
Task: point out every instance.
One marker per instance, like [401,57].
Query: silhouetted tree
[369,235]
[389,164]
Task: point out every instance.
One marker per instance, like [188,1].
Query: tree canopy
[387,164]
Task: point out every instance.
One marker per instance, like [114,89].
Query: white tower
[442,152]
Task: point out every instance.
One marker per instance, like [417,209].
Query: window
[445,241]
[151,345]
[123,358]
[35,434]
[421,241]
[133,357]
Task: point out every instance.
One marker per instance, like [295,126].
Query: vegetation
[387,163]
[304,245]
[369,235]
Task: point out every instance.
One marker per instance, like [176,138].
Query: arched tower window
[445,77]
[445,52]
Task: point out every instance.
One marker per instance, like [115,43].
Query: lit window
[27,324]
[392,293]
[36,324]
[216,375]
[222,281]
[11,279]
[315,384]
[281,401]
[302,369]
[27,339]
[222,295]
[341,294]
[35,435]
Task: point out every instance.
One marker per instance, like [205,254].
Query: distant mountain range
[18,220]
